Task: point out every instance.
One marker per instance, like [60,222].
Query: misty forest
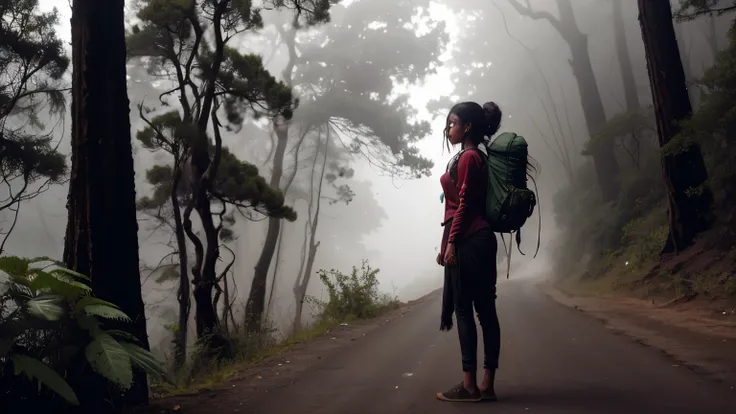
[195,188]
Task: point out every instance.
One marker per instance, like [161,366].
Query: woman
[469,249]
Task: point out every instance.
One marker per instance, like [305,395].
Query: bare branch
[158,265]
[6,235]
[681,15]
[534,14]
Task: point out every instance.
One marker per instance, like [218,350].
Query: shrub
[353,296]
[42,309]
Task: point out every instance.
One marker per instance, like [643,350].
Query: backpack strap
[539,213]
[539,227]
[508,252]
[518,241]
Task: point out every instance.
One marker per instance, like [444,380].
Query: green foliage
[33,369]
[358,96]
[171,35]
[306,12]
[33,57]
[713,127]
[32,64]
[636,226]
[353,296]
[31,157]
[169,133]
[236,182]
[643,238]
[249,86]
[594,228]
[171,31]
[42,307]
[343,192]
[625,126]
[239,183]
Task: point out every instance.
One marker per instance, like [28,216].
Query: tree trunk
[257,297]
[204,171]
[684,170]
[102,231]
[301,284]
[207,321]
[225,292]
[624,58]
[272,289]
[606,166]
[712,36]
[315,202]
[184,292]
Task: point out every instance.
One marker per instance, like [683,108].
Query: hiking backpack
[509,202]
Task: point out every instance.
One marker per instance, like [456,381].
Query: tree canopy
[170,38]
[357,98]
[237,182]
[188,43]
[32,66]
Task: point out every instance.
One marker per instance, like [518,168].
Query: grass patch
[352,297]
[618,270]
[637,270]
[217,373]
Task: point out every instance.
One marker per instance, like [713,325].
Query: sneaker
[459,394]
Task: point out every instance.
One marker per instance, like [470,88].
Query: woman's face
[455,129]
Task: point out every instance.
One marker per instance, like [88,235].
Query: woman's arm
[469,170]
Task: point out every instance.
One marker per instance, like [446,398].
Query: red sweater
[465,199]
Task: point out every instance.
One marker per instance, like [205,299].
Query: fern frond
[69,272]
[60,283]
[33,368]
[123,335]
[41,259]
[13,265]
[109,359]
[98,307]
[46,307]
[89,324]
[145,361]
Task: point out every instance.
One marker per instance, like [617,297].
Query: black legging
[474,285]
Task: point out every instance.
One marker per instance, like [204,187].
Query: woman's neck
[467,144]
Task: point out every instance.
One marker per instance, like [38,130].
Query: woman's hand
[439,259]
[450,255]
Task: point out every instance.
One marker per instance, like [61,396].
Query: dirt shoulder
[700,336]
[276,371]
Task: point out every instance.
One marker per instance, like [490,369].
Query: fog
[394,223]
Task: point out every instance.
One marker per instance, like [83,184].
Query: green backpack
[509,202]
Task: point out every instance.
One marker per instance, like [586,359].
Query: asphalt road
[554,360]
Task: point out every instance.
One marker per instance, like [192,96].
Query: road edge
[705,352]
[279,369]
